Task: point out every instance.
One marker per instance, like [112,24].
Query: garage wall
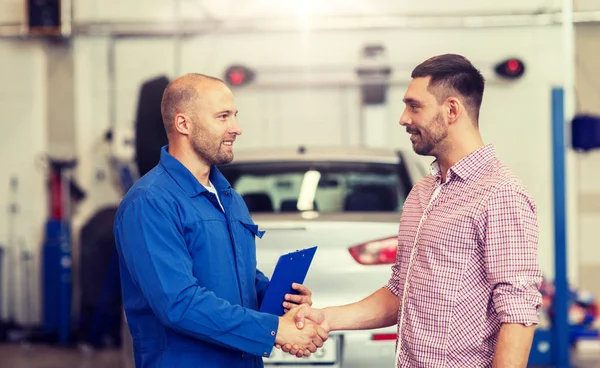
[22,142]
[11,11]
[588,97]
[36,100]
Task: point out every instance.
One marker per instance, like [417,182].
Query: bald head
[182,94]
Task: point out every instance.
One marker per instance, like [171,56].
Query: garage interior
[80,96]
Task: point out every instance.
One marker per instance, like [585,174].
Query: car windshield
[319,186]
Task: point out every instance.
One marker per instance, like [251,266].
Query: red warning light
[510,69]
[238,75]
[513,65]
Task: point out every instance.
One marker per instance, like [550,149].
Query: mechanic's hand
[304,297]
[304,341]
[305,316]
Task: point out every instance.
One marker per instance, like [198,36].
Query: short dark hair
[451,73]
[180,95]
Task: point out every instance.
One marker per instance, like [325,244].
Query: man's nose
[404,119]
[235,127]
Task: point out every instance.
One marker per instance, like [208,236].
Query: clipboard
[291,267]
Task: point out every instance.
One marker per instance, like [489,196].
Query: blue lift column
[560,325]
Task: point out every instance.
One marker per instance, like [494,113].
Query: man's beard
[429,141]
[208,150]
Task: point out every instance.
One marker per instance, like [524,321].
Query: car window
[319,186]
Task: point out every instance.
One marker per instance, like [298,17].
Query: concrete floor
[40,356]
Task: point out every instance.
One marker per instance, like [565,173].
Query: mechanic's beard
[432,138]
[208,150]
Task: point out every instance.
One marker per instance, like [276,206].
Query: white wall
[94,111]
[60,96]
[23,141]
[586,5]
[11,11]
[588,98]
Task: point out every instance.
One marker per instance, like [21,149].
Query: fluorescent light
[308,190]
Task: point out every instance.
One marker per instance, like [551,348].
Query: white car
[345,201]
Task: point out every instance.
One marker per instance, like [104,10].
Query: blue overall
[190,285]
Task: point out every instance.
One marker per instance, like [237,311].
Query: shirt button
[272,333]
[265,354]
[226,193]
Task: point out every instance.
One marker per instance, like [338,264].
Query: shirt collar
[185,179]
[467,166]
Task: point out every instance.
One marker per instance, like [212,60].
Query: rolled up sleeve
[393,284]
[510,232]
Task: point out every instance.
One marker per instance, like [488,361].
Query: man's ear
[453,109]
[181,124]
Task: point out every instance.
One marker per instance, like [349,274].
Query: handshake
[302,329]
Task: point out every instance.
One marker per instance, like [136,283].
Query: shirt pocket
[246,233]
[252,228]
[206,236]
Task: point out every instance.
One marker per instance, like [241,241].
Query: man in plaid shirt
[464,289]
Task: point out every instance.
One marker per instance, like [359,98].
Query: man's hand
[378,310]
[306,316]
[304,297]
[306,340]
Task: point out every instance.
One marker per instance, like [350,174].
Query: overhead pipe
[191,27]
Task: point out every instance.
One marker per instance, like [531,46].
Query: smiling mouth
[228,143]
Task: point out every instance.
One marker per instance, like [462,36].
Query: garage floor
[38,356]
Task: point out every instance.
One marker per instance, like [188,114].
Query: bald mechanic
[187,250]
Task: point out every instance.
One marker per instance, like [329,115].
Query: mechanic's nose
[235,127]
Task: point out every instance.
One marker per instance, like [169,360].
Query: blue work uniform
[190,285]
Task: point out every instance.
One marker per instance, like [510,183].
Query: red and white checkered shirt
[466,263]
